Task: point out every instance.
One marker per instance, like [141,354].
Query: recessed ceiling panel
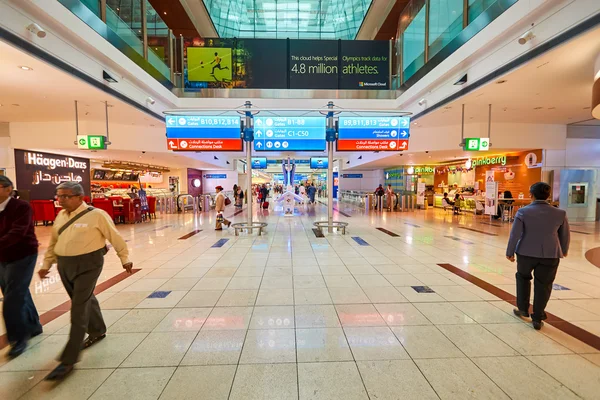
[282,19]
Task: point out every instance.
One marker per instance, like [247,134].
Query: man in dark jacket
[540,237]
[18,255]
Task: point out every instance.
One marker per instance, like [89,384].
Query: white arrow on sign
[171,121]
[259,122]
[259,145]
[172,144]
[404,122]
[258,133]
[403,145]
[404,133]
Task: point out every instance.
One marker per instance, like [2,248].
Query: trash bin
[370,201]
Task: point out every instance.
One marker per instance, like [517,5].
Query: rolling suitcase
[265,204]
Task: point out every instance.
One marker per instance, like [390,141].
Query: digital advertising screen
[203,133]
[289,133]
[228,63]
[319,163]
[373,133]
[259,162]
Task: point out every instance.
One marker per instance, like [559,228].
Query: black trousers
[79,275]
[544,270]
[20,315]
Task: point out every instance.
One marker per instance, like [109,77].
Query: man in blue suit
[540,237]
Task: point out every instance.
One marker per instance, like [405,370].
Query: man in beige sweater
[78,246]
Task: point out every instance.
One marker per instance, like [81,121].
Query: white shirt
[4,204]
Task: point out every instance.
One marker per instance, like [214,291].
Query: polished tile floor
[290,316]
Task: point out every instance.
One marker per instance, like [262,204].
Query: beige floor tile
[401,314]
[520,378]
[192,272]
[275,271]
[275,297]
[443,313]
[460,379]
[215,347]
[160,349]
[228,318]
[179,284]
[322,344]
[272,317]
[146,284]
[484,312]
[384,295]
[395,379]
[455,293]
[238,298]
[163,273]
[309,282]
[249,271]
[248,282]
[340,281]
[219,272]
[38,357]
[124,300]
[14,384]
[139,321]
[348,296]
[212,284]
[414,297]
[134,384]
[328,270]
[265,381]
[390,269]
[212,382]
[595,358]
[372,281]
[269,346]
[80,385]
[575,372]
[316,316]
[374,343]
[312,296]
[200,298]
[403,280]
[526,340]
[330,380]
[183,320]
[359,315]
[425,341]
[111,351]
[276,282]
[476,341]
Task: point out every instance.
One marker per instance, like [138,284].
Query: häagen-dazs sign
[40,173]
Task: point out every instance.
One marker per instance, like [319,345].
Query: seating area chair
[152,206]
[43,211]
[128,216]
[106,205]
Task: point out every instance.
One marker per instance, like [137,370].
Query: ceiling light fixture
[25,68]
[422,102]
[108,78]
[36,30]
[150,100]
[215,157]
[526,37]
[461,81]
[165,13]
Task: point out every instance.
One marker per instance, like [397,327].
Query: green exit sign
[91,142]
[477,144]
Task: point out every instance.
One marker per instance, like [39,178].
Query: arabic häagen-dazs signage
[40,173]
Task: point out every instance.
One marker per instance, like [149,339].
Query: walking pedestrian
[78,246]
[18,255]
[220,207]
[540,237]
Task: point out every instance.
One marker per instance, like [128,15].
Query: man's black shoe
[59,373]
[18,348]
[521,314]
[90,341]
[537,325]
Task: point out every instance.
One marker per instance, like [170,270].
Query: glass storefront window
[445,23]
[476,7]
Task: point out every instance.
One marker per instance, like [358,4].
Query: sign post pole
[248,128]
[330,142]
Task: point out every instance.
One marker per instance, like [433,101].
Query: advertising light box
[319,163]
[373,133]
[203,133]
[259,163]
[289,134]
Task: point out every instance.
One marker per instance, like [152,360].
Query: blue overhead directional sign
[369,128]
[319,163]
[199,127]
[289,133]
[259,163]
